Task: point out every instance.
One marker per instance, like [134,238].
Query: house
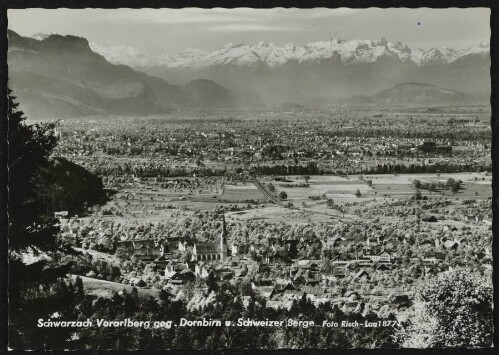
[178,243]
[162,260]
[430,219]
[147,249]
[208,251]
[383,257]
[433,257]
[374,254]
[223,273]
[343,257]
[265,291]
[400,301]
[451,244]
[184,276]
[169,274]
[291,295]
[362,275]
[352,296]
[314,290]
[383,267]
[474,218]
[263,282]
[281,288]
[234,249]
[201,271]
[367,252]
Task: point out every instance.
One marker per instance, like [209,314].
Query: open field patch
[103,288]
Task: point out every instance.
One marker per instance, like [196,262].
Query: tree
[358,193]
[283,195]
[416,183]
[38,290]
[31,231]
[454,309]
[29,149]
[456,187]
[271,187]
[450,182]
[306,178]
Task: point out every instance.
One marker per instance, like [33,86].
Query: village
[342,207]
[360,265]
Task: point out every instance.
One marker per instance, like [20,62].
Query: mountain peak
[347,52]
[44,42]
[41,36]
[336,40]
[263,44]
[380,41]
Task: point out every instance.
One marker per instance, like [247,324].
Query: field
[106,289]
[386,186]
[307,203]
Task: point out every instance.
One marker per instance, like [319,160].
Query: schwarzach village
[333,194]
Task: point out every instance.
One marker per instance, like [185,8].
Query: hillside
[61,76]
[66,186]
[416,94]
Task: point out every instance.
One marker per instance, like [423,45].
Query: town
[335,212]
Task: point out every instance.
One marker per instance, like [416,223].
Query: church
[205,251]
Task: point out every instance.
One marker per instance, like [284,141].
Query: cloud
[218,15]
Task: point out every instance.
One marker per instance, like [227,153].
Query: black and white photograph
[249,178]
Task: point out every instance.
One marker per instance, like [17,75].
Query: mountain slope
[62,76]
[415,94]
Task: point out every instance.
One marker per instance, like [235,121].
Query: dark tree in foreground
[453,310]
[29,149]
[35,286]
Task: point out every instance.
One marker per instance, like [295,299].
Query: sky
[168,31]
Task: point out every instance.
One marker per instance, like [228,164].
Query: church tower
[223,242]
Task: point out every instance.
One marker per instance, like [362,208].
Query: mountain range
[318,70]
[55,75]
[61,76]
[348,52]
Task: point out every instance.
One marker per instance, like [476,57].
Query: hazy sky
[169,31]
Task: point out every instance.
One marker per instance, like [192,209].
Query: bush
[454,310]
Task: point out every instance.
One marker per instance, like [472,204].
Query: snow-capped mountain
[136,58]
[317,71]
[348,52]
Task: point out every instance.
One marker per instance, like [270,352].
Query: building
[147,249]
[206,251]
